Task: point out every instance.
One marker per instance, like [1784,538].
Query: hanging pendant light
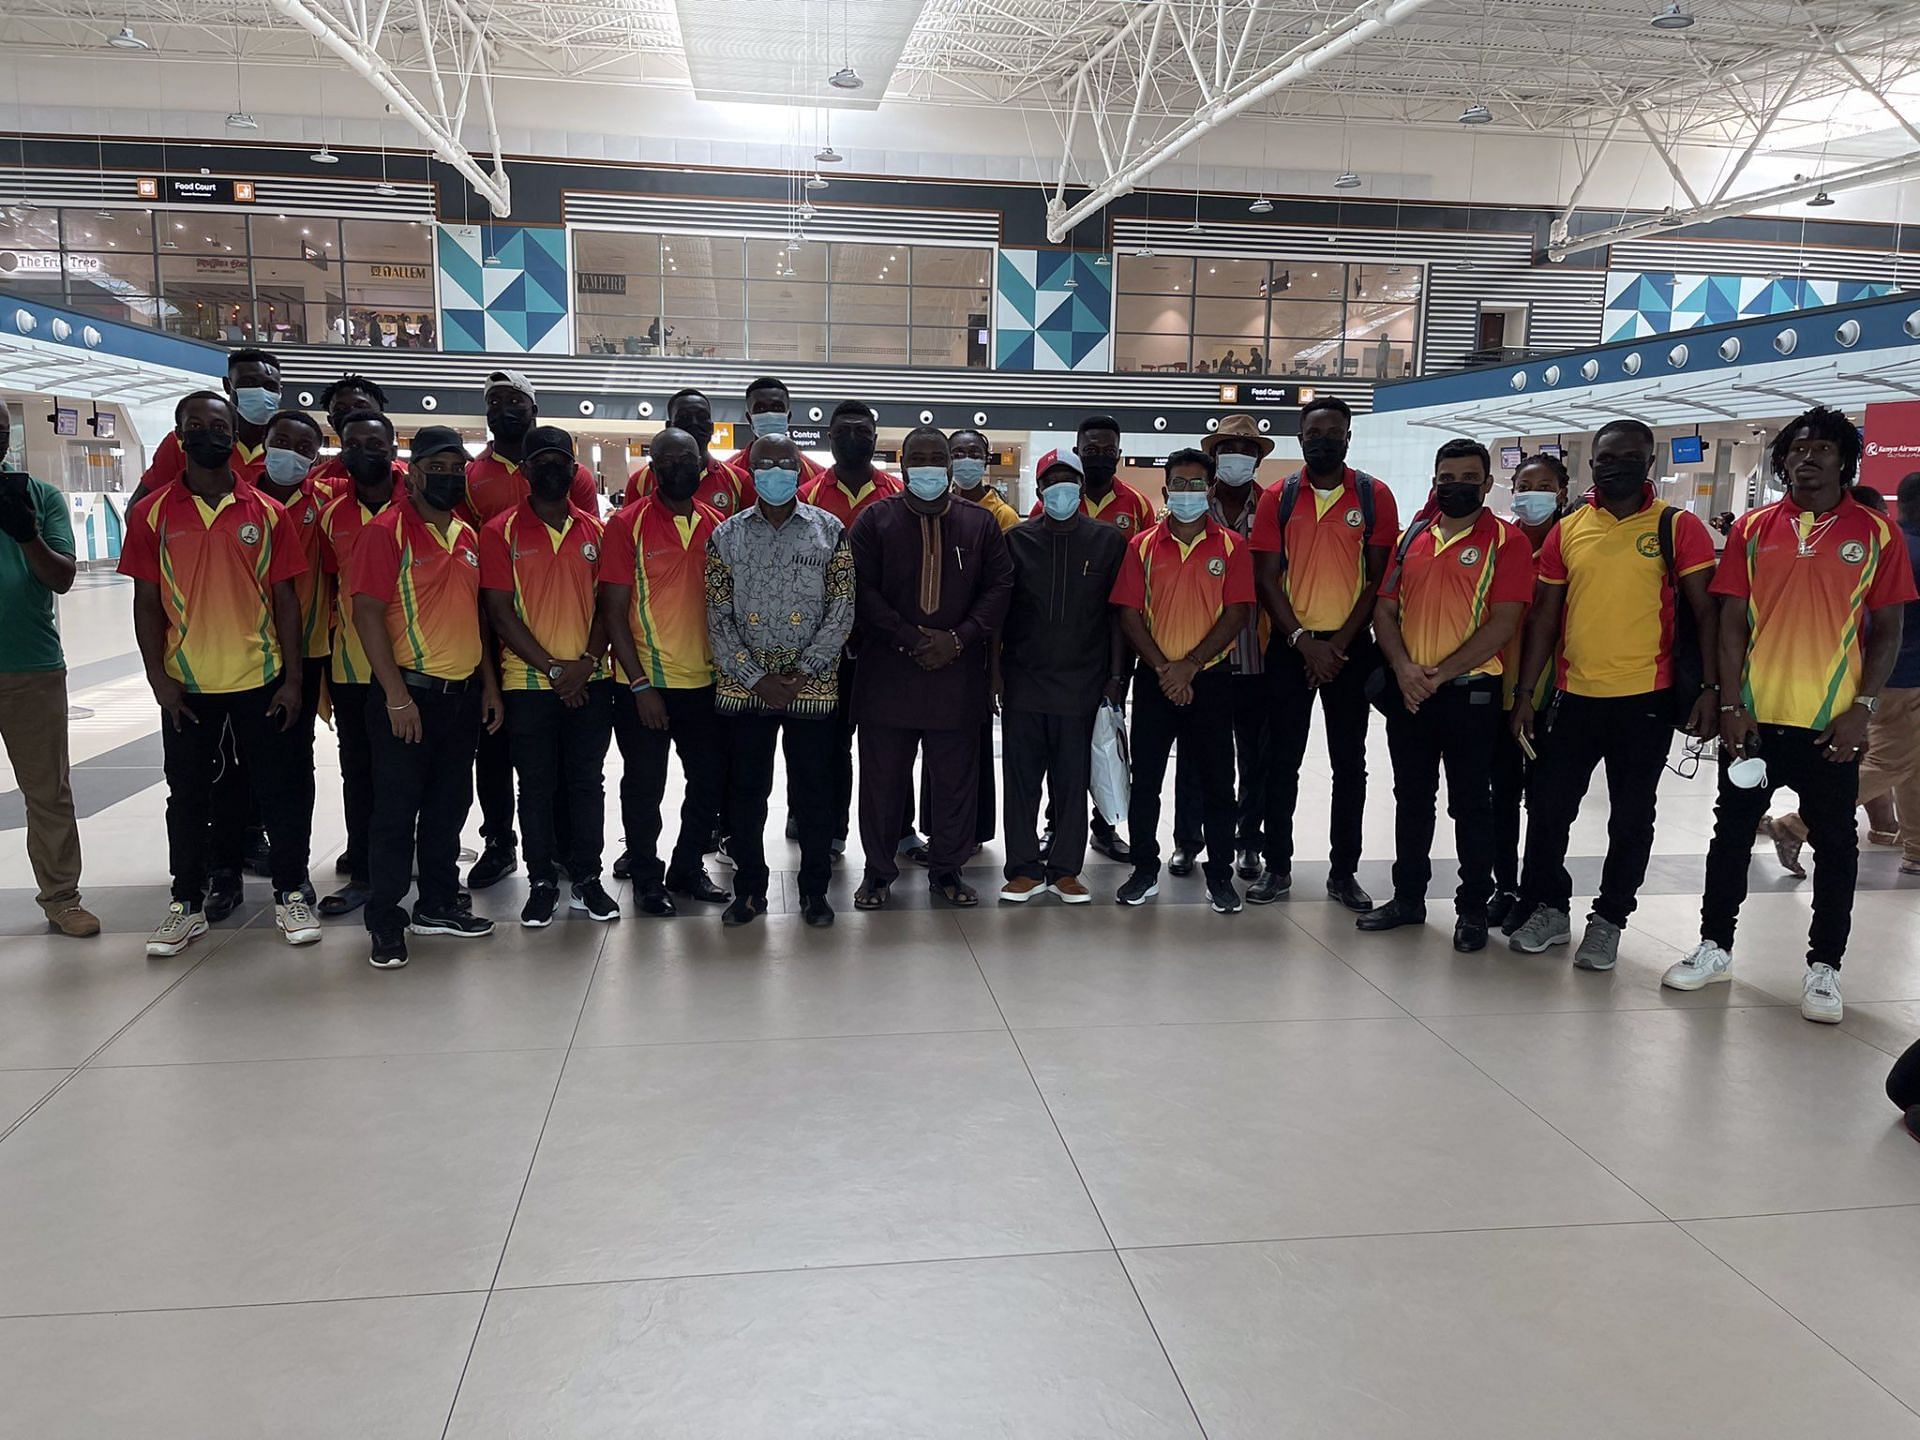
[1262,206]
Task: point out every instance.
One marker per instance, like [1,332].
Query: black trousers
[1456,728]
[691,730]
[1509,795]
[1252,745]
[1054,753]
[1343,704]
[985,802]
[1827,792]
[231,810]
[356,773]
[952,761]
[840,814]
[421,795]
[558,751]
[1628,734]
[493,783]
[811,748]
[269,758]
[1202,729]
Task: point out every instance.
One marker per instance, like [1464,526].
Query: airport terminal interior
[1033,1169]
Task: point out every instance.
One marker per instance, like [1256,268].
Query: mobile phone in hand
[13,484]
[1526,746]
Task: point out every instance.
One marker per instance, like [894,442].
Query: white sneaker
[1707,965]
[297,919]
[1820,995]
[180,929]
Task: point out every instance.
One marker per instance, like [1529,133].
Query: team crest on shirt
[309,515]
[249,534]
[1648,545]
[1853,552]
[1470,555]
[1216,566]
[471,558]
[591,551]
[721,500]
[1353,519]
[1125,522]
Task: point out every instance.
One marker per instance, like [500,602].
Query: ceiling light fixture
[241,120]
[127,40]
[845,78]
[1101,262]
[385,188]
[1674,17]
[1196,229]
[827,155]
[816,182]
[1145,252]
[324,156]
[1346,180]
[1820,201]
[1262,206]
[1476,114]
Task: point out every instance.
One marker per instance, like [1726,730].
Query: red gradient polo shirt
[1809,581]
[311,586]
[725,487]
[496,484]
[830,495]
[551,576]
[341,524]
[663,556]
[1122,507]
[1181,587]
[1325,545]
[1447,586]
[430,583]
[216,566]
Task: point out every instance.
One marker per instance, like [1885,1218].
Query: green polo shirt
[28,637]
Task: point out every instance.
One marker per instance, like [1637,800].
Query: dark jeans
[1203,729]
[561,750]
[1628,734]
[493,784]
[421,795]
[356,772]
[1252,744]
[1054,752]
[951,759]
[269,757]
[1343,704]
[691,730]
[1827,792]
[811,747]
[1456,728]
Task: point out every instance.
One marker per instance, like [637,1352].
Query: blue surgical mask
[776,484]
[1235,470]
[1061,500]
[969,473]
[1187,504]
[768,422]
[286,467]
[1535,507]
[256,404]
[927,482]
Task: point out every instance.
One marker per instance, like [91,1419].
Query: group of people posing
[474,618]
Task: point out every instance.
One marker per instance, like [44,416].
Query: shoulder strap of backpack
[1363,483]
[1666,544]
[1414,532]
[1289,497]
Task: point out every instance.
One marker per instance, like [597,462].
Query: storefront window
[616,293]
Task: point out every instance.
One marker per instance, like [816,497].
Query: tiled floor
[1046,1173]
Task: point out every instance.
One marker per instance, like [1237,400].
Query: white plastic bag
[1112,771]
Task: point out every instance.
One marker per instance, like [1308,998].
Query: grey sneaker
[1546,926]
[1600,946]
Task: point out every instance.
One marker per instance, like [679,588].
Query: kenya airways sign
[1892,450]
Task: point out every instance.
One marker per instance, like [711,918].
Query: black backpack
[1290,497]
[1689,671]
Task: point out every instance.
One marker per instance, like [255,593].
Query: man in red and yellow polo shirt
[213,564]
[1607,598]
[724,486]
[653,604]
[252,383]
[415,587]
[1812,593]
[1184,590]
[769,412]
[1103,495]
[539,563]
[1452,599]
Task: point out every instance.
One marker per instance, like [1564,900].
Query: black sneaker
[623,867]
[542,901]
[1271,886]
[1224,899]
[259,857]
[389,950]
[1138,889]
[1180,863]
[461,924]
[591,896]
[815,910]
[1500,907]
[224,895]
[496,862]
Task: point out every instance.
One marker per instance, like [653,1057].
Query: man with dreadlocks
[1811,593]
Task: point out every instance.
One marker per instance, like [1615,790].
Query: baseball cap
[1053,459]
[436,440]
[547,437]
[511,380]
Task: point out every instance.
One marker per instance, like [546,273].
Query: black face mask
[443,492]
[852,449]
[367,467]
[550,480]
[206,449]
[1456,499]
[508,425]
[1324,454]
[1619,476]
[678,479]
[701,430]
[1100,469]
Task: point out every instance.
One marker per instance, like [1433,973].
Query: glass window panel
[1155,275]
[213,232]
[943,265]
[868,264]
[706,257]
[705,298]
[611,253]
[32,273]
[110,272]
[1245,318]
[1305,355]
[1307,317]
[108,230]
[386,311]
[24,229]
[1150,352]
[1383,283]
[940,347]
[949,308]
[1155,315]
[206,300]
[784,301]
[1382,358]
[1308,280]
[124,308]
[706,337]
[1246,278]
[867,344]
[869,305]
[786,340]
[1230,354]
[382,241]
[767,259]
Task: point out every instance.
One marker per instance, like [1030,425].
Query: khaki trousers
[1892,763]
[33,726]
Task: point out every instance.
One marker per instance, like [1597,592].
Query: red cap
[1058,457]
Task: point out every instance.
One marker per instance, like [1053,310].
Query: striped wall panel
[1564,308]
[699,215]
[348,199]
[1722,257]
[1252,239]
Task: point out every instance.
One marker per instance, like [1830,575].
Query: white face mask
[1535,507]
[1235,470]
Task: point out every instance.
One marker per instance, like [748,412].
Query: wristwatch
[1871,702]
[555,671]
[1293,640]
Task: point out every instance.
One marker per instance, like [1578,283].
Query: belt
[433,684]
